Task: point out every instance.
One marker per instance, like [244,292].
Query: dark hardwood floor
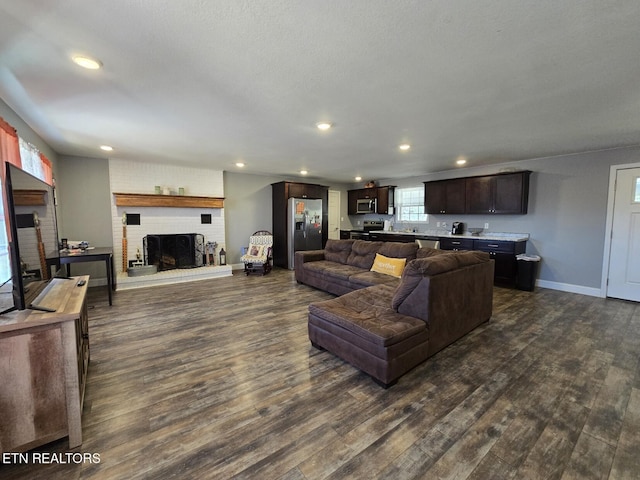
[216,379]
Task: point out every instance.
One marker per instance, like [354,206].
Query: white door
[624,258]
[334,215]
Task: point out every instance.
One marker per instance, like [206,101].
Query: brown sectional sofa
[344,265]
[386,326]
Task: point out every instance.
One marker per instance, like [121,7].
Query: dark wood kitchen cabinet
[453,243]
[501,251]
[504,253]
[384,199]
[504,193]
[303,190]
[445,196]
[281,192]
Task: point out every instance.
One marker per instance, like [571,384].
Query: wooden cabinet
[280,194]
[43,369]
[445,196]
[505,193]
[504,253]
[447,243]
[352,202]
[304,190]
[502,193]
[385,199]
[392,237]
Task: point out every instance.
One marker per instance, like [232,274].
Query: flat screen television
[32,237]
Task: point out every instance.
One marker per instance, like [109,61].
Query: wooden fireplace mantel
[157,200]
[29,197]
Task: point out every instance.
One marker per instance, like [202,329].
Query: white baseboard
[568,287]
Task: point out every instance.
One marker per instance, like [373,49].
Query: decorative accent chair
[258,257]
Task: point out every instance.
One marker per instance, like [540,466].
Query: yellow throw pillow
[389,266]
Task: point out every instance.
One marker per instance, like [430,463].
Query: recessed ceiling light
[358,179]
[461,161]
[87,62]
[404,147]
[303,172]
[324,125]
[239,164]
[106,148]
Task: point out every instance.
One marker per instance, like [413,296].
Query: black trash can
[527,271]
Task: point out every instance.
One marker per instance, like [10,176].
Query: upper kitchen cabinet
[384,197]
[503,193]
[445,196]
[360,194]
[386,200]
[302,190]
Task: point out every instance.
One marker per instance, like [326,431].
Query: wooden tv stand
[44,358]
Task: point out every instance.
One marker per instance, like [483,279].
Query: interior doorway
[334,214]
[623,223]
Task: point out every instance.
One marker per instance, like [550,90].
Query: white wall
[248,204]
[566,218]
[139,177]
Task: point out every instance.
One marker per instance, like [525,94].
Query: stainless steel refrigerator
[304,226]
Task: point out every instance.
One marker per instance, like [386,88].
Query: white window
[410,204]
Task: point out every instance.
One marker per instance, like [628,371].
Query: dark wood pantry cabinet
[281,192]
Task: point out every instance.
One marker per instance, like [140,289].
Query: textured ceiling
[213,82]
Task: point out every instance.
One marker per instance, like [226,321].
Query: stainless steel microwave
[366,205]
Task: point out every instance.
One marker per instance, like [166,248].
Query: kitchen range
[367,226]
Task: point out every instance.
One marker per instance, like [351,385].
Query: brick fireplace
[160,222]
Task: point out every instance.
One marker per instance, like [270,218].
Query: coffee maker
[457,228]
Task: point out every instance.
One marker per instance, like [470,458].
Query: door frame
[334,196]
[613,175]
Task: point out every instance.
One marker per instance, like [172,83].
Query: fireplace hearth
[172,251]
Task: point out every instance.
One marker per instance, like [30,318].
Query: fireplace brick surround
[141,178]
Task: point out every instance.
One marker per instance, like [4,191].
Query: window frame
[417,192]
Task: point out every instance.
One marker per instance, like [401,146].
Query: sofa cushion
[337,250]
[472,257]
[368,278]
[424,252]
[367,313]
[417,269]
[388,265]
[399,250]
[332,269]
[363,253]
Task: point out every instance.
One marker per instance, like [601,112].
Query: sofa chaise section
[386,330]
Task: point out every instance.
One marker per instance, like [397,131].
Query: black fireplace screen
[169,251]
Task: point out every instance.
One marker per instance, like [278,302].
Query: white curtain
[31,162]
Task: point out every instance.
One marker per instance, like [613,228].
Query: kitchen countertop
[504,236]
